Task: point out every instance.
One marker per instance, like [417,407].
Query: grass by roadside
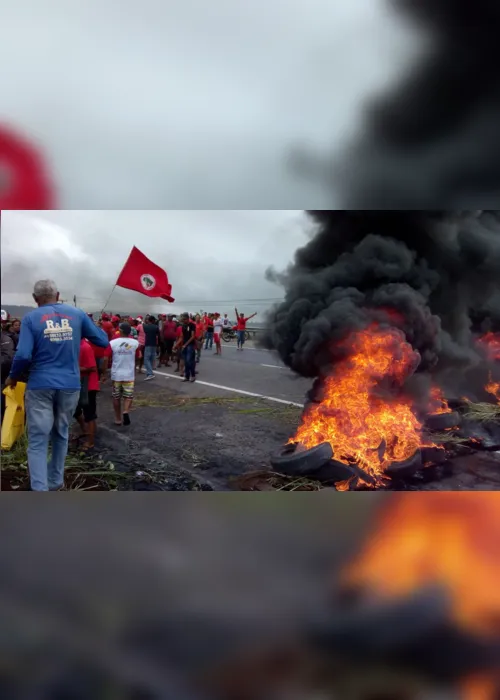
[83,472]
[244,405]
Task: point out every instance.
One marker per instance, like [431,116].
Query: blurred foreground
[238,598]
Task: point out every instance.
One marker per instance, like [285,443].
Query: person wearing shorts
[218,327]
[124,350]
[86,412]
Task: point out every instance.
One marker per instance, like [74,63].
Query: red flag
[24,180]
[143,276]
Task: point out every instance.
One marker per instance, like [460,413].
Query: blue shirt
[49,346]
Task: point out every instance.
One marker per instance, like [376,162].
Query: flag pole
[115,285]
[107,300]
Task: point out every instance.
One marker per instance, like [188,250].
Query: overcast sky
[210,256]
[192,103]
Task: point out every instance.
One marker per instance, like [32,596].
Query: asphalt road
[253,372]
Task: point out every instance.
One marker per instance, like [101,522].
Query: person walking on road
[124,350]
[142,342]
[169,336]
[218,328]
[152,335]
[200,333]
[86,410]
[187,343]
[209,342]
[241,325]
[49,346]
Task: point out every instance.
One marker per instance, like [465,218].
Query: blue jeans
[241,338]
[49,413]
[209,340]
[189,357]
[149,358]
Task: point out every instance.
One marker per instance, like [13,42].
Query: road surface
[252,372]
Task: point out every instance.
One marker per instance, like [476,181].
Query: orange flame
[493,388]
[360,423]
[451,539]
[438,403]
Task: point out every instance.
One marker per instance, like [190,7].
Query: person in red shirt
[107,326]
[241,325]
[86,411]
[200,334]
[102,357]
[169,335]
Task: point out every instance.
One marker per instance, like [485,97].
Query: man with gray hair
[49,348]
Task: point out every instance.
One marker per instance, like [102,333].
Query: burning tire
[443,421]
[302,462]
[406,468]
[334,471]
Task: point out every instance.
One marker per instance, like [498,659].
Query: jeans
[241,337]
[209,340]
[189,357]
[49,413]
[149,358]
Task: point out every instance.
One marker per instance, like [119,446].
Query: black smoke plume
[429,274]
[433,140]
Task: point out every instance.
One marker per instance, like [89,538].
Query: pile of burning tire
[319,463]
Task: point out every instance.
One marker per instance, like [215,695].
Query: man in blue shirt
[49,348]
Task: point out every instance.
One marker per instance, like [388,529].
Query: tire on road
[293,462]
[407,468]
[443,421]
[334,471]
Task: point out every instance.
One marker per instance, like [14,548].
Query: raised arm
[237,314]
[255,314]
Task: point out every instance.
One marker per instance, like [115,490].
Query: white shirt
[218,325]
[226,322]
[123,367]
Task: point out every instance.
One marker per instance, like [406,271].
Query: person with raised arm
[241,325]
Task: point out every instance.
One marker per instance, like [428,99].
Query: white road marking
[277,366]
[234,347]
[235,391]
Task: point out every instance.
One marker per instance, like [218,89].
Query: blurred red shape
[24,179]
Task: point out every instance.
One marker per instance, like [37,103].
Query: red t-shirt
[99,353]
[87,360]
[200,327]
[169,330]
[108,328]
[242,323]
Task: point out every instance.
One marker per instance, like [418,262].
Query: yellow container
[13,420]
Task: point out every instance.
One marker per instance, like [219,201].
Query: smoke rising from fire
[433,141]
[434,275]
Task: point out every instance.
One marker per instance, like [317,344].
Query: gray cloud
[189,103]
[218,256]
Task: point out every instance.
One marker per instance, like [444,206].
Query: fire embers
[423,592]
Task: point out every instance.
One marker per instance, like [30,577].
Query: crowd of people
[64,355]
